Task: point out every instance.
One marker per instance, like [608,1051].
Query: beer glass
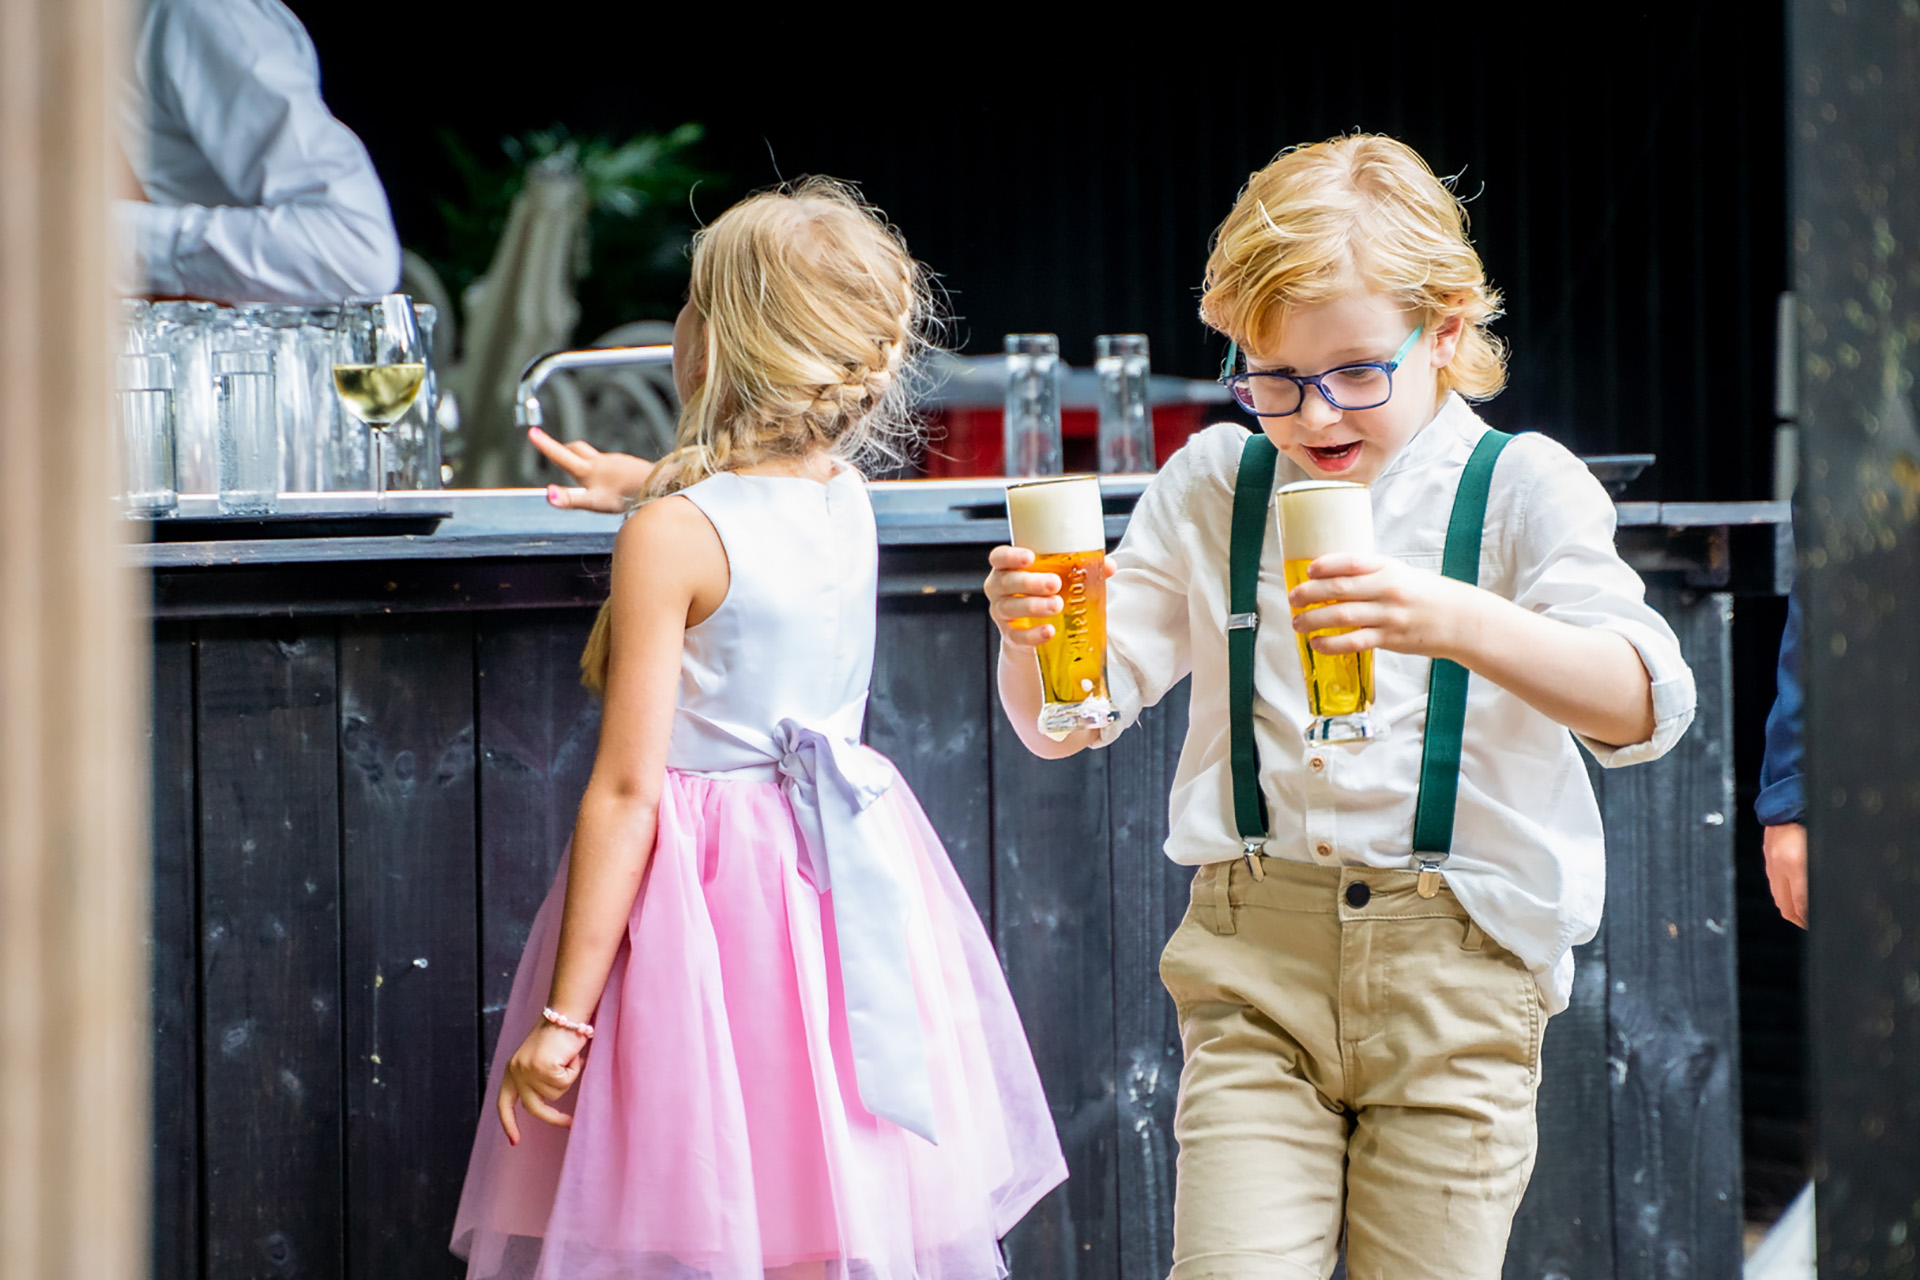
[1061,522]
[1318,518]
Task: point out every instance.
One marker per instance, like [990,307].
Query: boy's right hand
[1016,598]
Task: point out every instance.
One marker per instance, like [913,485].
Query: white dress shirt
[257,193]
[1528,859]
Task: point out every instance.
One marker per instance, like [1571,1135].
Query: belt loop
[1223,922]
[1475,936]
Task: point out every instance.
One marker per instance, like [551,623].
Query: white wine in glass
[379,367]
[378,394]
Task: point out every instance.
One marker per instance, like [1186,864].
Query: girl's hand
[1016,598]
[608,481]
[545,1066]
[1388,605]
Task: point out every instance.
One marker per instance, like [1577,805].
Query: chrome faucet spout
[526,397]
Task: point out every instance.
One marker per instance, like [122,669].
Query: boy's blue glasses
[1366,385]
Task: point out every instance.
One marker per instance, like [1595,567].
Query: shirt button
[1316,764]
[1324,849]
[1358,894]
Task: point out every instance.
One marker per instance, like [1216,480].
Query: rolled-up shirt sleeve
[309,220]
[1569,569]
[1149,646]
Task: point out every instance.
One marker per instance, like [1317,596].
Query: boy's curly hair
[1362,211]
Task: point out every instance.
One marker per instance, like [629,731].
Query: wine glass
[379,366]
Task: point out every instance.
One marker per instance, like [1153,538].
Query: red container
[967,442]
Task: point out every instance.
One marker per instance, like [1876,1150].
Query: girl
[763,1028]
[1362,990]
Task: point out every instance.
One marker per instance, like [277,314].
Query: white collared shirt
[257,194]
[1528,859]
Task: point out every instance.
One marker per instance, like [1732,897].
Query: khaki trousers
[1357,1056]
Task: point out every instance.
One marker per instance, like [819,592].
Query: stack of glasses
[239,402]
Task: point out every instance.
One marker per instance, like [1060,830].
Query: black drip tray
[299,524]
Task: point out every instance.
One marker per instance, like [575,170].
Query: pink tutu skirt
[717,1129]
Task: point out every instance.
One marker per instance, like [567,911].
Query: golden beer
[1318,518]
[1061,522]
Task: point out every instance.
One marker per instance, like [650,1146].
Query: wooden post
[1854,81]
[73,864]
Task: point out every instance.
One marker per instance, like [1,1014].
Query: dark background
[1625,168]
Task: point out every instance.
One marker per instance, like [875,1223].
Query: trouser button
[1358,894]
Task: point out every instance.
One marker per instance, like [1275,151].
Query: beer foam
[1320,517]
[1052,517]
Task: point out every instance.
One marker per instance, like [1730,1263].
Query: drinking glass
[1062,523]
[379,366]
[1033,404]
[144,388]
[1126,419]
[249,431]
[1319,518]
[184,332]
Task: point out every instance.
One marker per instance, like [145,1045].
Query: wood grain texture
[1149,899]
[270,950]
[1564,1230]
[1672,1005]
[929,713]
[1854,130]
[176,959]
[1053,926]
[538,733]
[410,920]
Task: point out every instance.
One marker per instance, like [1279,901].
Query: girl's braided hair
[815,319]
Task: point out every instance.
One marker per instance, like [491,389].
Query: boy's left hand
[1386,603]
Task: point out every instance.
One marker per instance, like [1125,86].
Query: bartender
[253,192]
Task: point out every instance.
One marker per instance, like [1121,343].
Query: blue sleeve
[1783,795]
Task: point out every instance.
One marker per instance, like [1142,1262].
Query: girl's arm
[669,572]
[1590,680]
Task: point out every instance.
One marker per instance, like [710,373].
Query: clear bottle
[1032,424]
[1126,414]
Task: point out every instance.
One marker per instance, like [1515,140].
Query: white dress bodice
[793,639]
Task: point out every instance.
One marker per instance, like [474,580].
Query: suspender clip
[1243,622]
[1429,874]
[1251,847]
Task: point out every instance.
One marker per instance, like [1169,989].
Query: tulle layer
[717,1128]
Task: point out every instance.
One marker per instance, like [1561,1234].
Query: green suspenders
[1446,686]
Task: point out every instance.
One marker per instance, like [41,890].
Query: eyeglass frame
[1313,380]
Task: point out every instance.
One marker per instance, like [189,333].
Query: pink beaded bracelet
[563,1021]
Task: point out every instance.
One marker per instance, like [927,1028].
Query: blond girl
[758,1027]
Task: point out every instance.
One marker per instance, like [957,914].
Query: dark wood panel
[538,733]
[270,950]
[1672,1009]
[929,712]
[1854,89]
[1565,1224]
[1053,926]
[1149,898]
[410,951]
[176,960]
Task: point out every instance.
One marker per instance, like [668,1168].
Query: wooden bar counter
[367,756]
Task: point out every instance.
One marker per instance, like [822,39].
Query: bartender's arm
[304,218]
